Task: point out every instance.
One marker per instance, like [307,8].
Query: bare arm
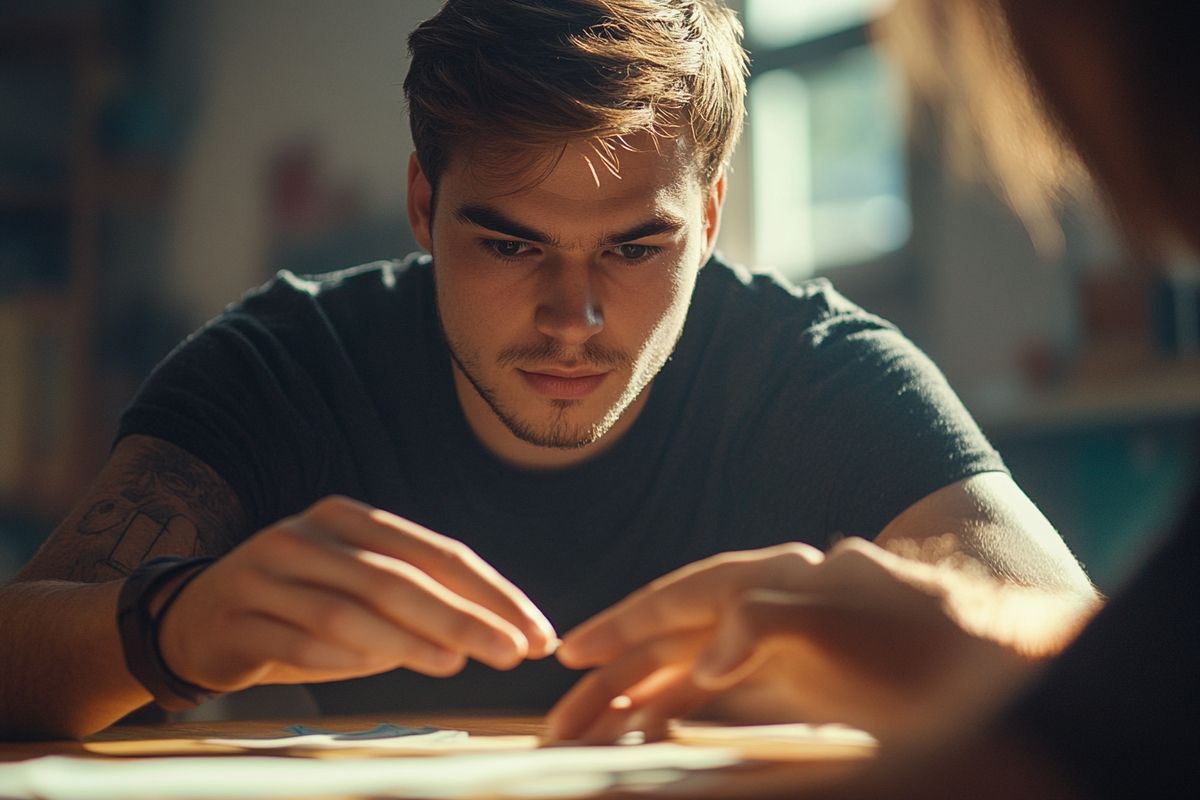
[983,589]
[987,520]
[62,671]
[340,590]
[903,649]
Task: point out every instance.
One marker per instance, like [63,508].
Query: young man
[404,466]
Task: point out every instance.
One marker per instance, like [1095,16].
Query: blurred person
[392,469]
[964,701]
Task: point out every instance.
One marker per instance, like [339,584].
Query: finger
[610,725]
[448,561]
[690,598]
[286,654]
[744,632]
[397,590]
[261,649]
[347,624]
[862,639]
[648,706]
[678,700]
[592,697]
[668,694]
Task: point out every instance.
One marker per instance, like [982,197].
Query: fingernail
[534,614]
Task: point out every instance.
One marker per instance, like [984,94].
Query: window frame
[889,277]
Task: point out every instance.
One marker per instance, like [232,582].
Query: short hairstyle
[499,77]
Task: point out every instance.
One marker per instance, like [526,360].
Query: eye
[507,248]
[638,252]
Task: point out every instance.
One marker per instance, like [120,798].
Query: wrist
[145,599]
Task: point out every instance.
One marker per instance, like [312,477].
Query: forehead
[576,180]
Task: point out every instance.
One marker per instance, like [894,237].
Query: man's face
[562,301]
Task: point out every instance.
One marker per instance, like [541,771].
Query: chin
[563,430]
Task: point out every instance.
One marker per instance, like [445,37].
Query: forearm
[62,670]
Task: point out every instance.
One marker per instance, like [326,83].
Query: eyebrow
[493,219]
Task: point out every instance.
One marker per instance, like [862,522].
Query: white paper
[535,773]
[328,741]
[794,733]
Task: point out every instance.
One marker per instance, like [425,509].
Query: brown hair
[1037,84]
[501,77]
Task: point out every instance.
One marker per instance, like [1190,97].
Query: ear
[714,201]
[420,204]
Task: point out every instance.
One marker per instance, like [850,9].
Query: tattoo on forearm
[141,532]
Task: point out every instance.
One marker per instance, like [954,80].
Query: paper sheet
[381,737]
[384,739]
[795,741]
[787,742]
[519,774]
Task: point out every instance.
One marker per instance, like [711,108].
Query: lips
[559,384]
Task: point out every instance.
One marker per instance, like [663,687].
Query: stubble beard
[559,432]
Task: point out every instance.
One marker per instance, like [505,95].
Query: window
[777,23]
[827,139]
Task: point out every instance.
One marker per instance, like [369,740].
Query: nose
[569,311]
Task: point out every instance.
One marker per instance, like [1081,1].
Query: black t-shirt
[784,414]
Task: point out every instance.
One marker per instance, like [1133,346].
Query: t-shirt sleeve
[860,427]
[243,396]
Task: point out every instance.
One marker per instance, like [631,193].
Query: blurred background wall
[157,159]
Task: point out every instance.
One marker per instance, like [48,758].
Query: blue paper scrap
[384,730]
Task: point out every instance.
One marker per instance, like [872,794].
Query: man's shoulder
[341,311]
[351,286]
[772,343]
[768,306]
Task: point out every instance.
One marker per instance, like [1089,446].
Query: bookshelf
[58,186]
[1163,391]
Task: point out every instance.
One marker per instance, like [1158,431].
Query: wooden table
[767,767]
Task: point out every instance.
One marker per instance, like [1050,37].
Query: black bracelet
[139,630]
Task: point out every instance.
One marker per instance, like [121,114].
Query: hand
[345,590]
[861,636]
